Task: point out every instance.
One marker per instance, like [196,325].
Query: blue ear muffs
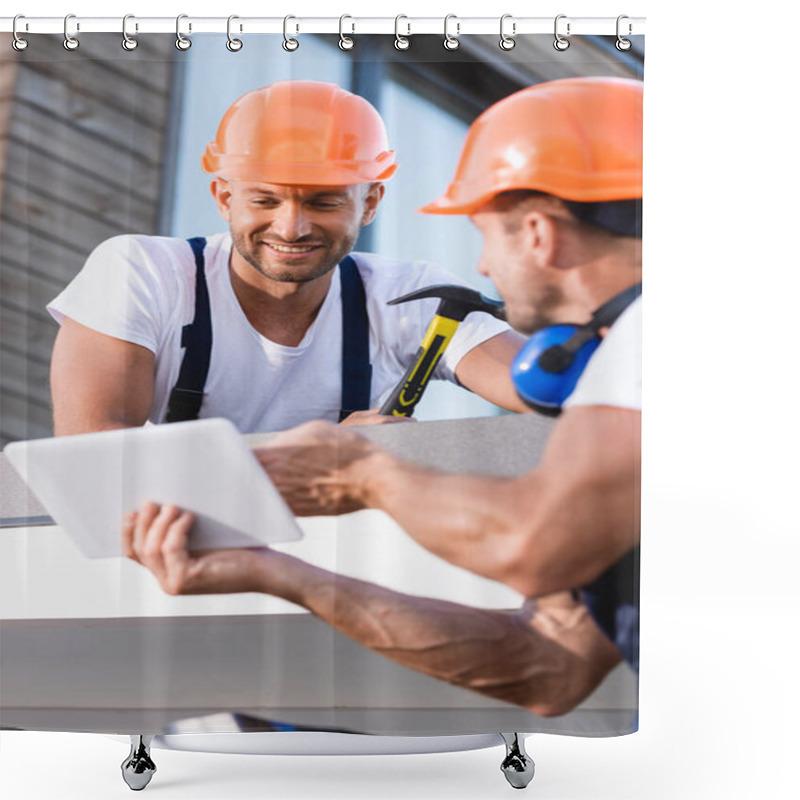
[547,368]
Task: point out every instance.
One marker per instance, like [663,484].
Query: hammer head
[456,301]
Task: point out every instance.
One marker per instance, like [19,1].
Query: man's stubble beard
[241,244]
[541,315]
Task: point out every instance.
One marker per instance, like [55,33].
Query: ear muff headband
[548,367]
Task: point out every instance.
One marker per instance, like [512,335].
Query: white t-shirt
[141,289]
[613,376]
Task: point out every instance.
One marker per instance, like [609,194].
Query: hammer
[456,303]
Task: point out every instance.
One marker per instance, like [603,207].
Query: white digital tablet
[89,482]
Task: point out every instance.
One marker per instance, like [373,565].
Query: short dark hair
[618,217]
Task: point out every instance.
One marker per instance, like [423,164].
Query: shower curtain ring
[451,42]
[289,44]
[128,42]
[507,42]
[70,42]
[18,43]
[233,44]
[346,42]
[401,42]
[181,41]
[561,43]
[623,44]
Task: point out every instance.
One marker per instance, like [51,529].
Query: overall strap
[610,311]
[559,357]
[187,394]
[356,369]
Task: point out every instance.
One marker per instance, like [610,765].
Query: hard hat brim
[444,205]
[627,187]
[344,174]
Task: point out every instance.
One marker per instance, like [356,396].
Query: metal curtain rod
[571,26]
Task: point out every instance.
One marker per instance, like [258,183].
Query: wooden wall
[83,138]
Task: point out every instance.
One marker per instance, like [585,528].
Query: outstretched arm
[546,657]
[554,528]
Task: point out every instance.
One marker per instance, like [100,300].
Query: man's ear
[221,192]
[541,236]
[372,199]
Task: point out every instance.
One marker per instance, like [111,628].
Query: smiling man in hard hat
[275,322]
[552,178]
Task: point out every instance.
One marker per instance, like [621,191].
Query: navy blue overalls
[186,397]
[613,601]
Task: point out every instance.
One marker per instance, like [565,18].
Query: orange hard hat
[575,138]
[301,132]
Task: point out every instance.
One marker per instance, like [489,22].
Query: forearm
[547,657]
[486,371]
[469,520]
[531,658]
[554,528]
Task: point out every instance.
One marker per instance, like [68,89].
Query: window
[427,152]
